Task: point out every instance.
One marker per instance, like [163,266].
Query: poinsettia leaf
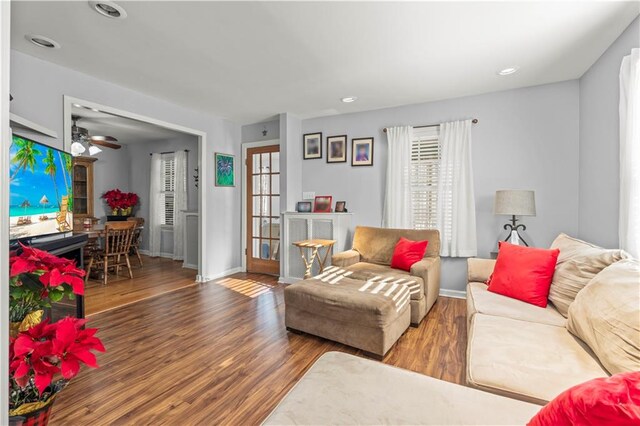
[56,295]
[86,357]
[22,370]
[69,367]
[43,380]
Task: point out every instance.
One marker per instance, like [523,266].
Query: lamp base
[514,236]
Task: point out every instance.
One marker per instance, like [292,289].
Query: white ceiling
[249,60]
[126,130]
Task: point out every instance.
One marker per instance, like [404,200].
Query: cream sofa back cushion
[606,316]
[577,264]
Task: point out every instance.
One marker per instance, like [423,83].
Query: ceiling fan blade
[98,140]
[104,138]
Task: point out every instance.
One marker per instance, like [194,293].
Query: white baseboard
[165,255]
[190,266]
[458,294]
[232,271]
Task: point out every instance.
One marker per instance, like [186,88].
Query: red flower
[47,349]
[117,199]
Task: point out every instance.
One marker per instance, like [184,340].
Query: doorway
[263,209]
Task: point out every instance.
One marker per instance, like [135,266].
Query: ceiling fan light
[93,150]
[77,148]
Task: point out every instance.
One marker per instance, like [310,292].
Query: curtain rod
[474,121]
[166,152]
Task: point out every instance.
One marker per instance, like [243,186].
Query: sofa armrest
[479,270]
[429,270]
[346,258]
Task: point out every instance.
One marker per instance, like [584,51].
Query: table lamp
[514,203]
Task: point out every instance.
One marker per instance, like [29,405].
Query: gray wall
[140,179]
[600,142]
[110,171]
[253,132]
[525,139]
[38,88]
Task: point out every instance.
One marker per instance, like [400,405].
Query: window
[168,186]
[425,166]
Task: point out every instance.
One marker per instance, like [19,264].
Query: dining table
[95,231]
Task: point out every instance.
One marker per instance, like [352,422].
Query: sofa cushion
[480,300]
[344,300]
[341,389]
[376,245]
[526,360]
[613,400]
[578,263]
[523,273]
[369,271]
[606,316]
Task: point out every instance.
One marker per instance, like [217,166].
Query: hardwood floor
[157,276]
[218,353]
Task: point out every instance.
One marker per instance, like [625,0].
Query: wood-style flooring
[157,276]
[218,353]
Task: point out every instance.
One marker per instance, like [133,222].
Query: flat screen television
[40,190]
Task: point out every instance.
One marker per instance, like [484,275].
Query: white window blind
[167,193]
[425,166]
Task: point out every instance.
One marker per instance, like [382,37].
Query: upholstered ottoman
[368,315]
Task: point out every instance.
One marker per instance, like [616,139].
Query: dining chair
[136,240]
[115,250]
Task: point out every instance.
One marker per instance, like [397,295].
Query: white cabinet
[306,226]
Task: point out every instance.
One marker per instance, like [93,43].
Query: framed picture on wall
[225,169]
[312,146]
[322,204]
[362,152]
[337,149]
[341,207]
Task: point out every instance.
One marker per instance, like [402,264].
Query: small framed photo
[337,149]
[225,169]
[322,204]
[362,152]
[303,207]
[341,207]
[312,145]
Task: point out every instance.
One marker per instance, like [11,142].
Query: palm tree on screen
[25,156]
[51,169]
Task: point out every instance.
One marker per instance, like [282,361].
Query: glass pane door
[263,210]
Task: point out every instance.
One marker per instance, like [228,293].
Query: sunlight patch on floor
[245,286]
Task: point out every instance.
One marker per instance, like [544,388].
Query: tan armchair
[371,257]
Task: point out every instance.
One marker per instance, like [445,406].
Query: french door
[263,210]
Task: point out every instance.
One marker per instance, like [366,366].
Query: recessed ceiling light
[508,70]
[42,41]
[108,9]
[349,99]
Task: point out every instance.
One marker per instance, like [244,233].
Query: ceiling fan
[81,140]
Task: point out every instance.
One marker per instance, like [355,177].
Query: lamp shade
[515,202]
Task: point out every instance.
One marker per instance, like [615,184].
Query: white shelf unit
[306,226]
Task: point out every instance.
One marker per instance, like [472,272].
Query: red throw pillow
[611,400]
[523,273]
[407,253]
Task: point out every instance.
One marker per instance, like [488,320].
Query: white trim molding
[456,294]
[202,279]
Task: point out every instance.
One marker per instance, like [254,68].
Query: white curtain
[629,224]
[456,215]
[180,204]
[155,207]
[398,208]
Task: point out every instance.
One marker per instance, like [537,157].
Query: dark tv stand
[70,247]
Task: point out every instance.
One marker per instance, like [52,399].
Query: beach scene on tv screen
[40,182]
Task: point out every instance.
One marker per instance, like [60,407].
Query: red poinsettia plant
[117,199]
[39,354]
[38,278]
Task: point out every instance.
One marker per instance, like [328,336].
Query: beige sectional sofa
[530,353]
[371,257]
[341,389]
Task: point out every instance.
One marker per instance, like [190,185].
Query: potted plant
[43,356]
[120,203]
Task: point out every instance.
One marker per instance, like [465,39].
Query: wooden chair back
[118,237]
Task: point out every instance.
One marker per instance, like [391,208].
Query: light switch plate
[308,195]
